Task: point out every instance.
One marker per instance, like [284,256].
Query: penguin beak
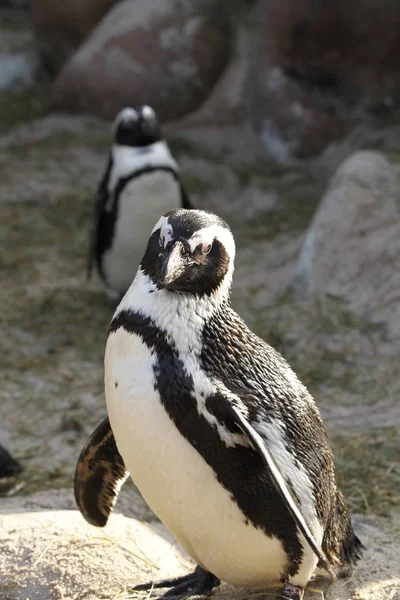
[173,263]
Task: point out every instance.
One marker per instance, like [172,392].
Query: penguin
[224,442]
[140,182]
[8,465]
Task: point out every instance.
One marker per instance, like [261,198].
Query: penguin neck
[181,316]
[127,160]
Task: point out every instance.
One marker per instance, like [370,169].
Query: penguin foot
[291,592]
[198,583]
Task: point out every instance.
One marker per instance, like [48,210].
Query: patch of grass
[318,341]
[194,184]
[180,147]
[52,146]
[100,140]
[297,192]
[36,479]
[25,105]
[368,466]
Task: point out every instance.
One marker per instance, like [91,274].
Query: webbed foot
[291,592]
[198,583]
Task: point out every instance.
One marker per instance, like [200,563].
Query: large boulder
[62,26]
[351,251]
[55,555]
[324,66]
[144,53]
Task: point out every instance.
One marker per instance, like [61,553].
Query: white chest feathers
[139,204]
[180,487]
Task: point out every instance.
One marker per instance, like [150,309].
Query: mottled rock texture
[352,248]
[168,60]
[62,26]
[324,66]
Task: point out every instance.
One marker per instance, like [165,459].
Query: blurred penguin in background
[141,181]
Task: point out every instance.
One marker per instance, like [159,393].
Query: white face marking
[166,233]
[126,114]
[207,235]
[159,224]
[148,112]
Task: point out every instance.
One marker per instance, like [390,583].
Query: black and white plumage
[141,181]
[223,441]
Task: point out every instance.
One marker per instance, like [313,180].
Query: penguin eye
[206,248]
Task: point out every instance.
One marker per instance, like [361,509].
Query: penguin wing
[100,203]
[99,475]
[260,445]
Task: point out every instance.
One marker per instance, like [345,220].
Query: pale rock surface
[352,248]
[62,26]
[55,554]
[144,53]
[19,61]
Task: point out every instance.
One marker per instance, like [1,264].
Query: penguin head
[137,127]
[191,252]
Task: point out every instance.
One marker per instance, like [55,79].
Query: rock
[229,100]
[18,4]
[324,67]
[56,555]
[351,251]
[61,26]
[19,62]
[144,53]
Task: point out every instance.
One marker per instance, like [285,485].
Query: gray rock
[19,62]
[56,555]
[323,68]
[61,26]
[144,53]
[18,4]
[352,248]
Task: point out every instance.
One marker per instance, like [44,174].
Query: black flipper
[99,475]
[101,200]
[259,444]
[198,583]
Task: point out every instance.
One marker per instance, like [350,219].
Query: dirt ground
[54,329]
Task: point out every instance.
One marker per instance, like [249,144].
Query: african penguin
[141,181]
[221,438]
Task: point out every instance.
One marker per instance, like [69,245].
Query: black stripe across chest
[109,215]
[238,468]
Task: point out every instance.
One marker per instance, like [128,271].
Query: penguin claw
[291,592]
[198,583]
